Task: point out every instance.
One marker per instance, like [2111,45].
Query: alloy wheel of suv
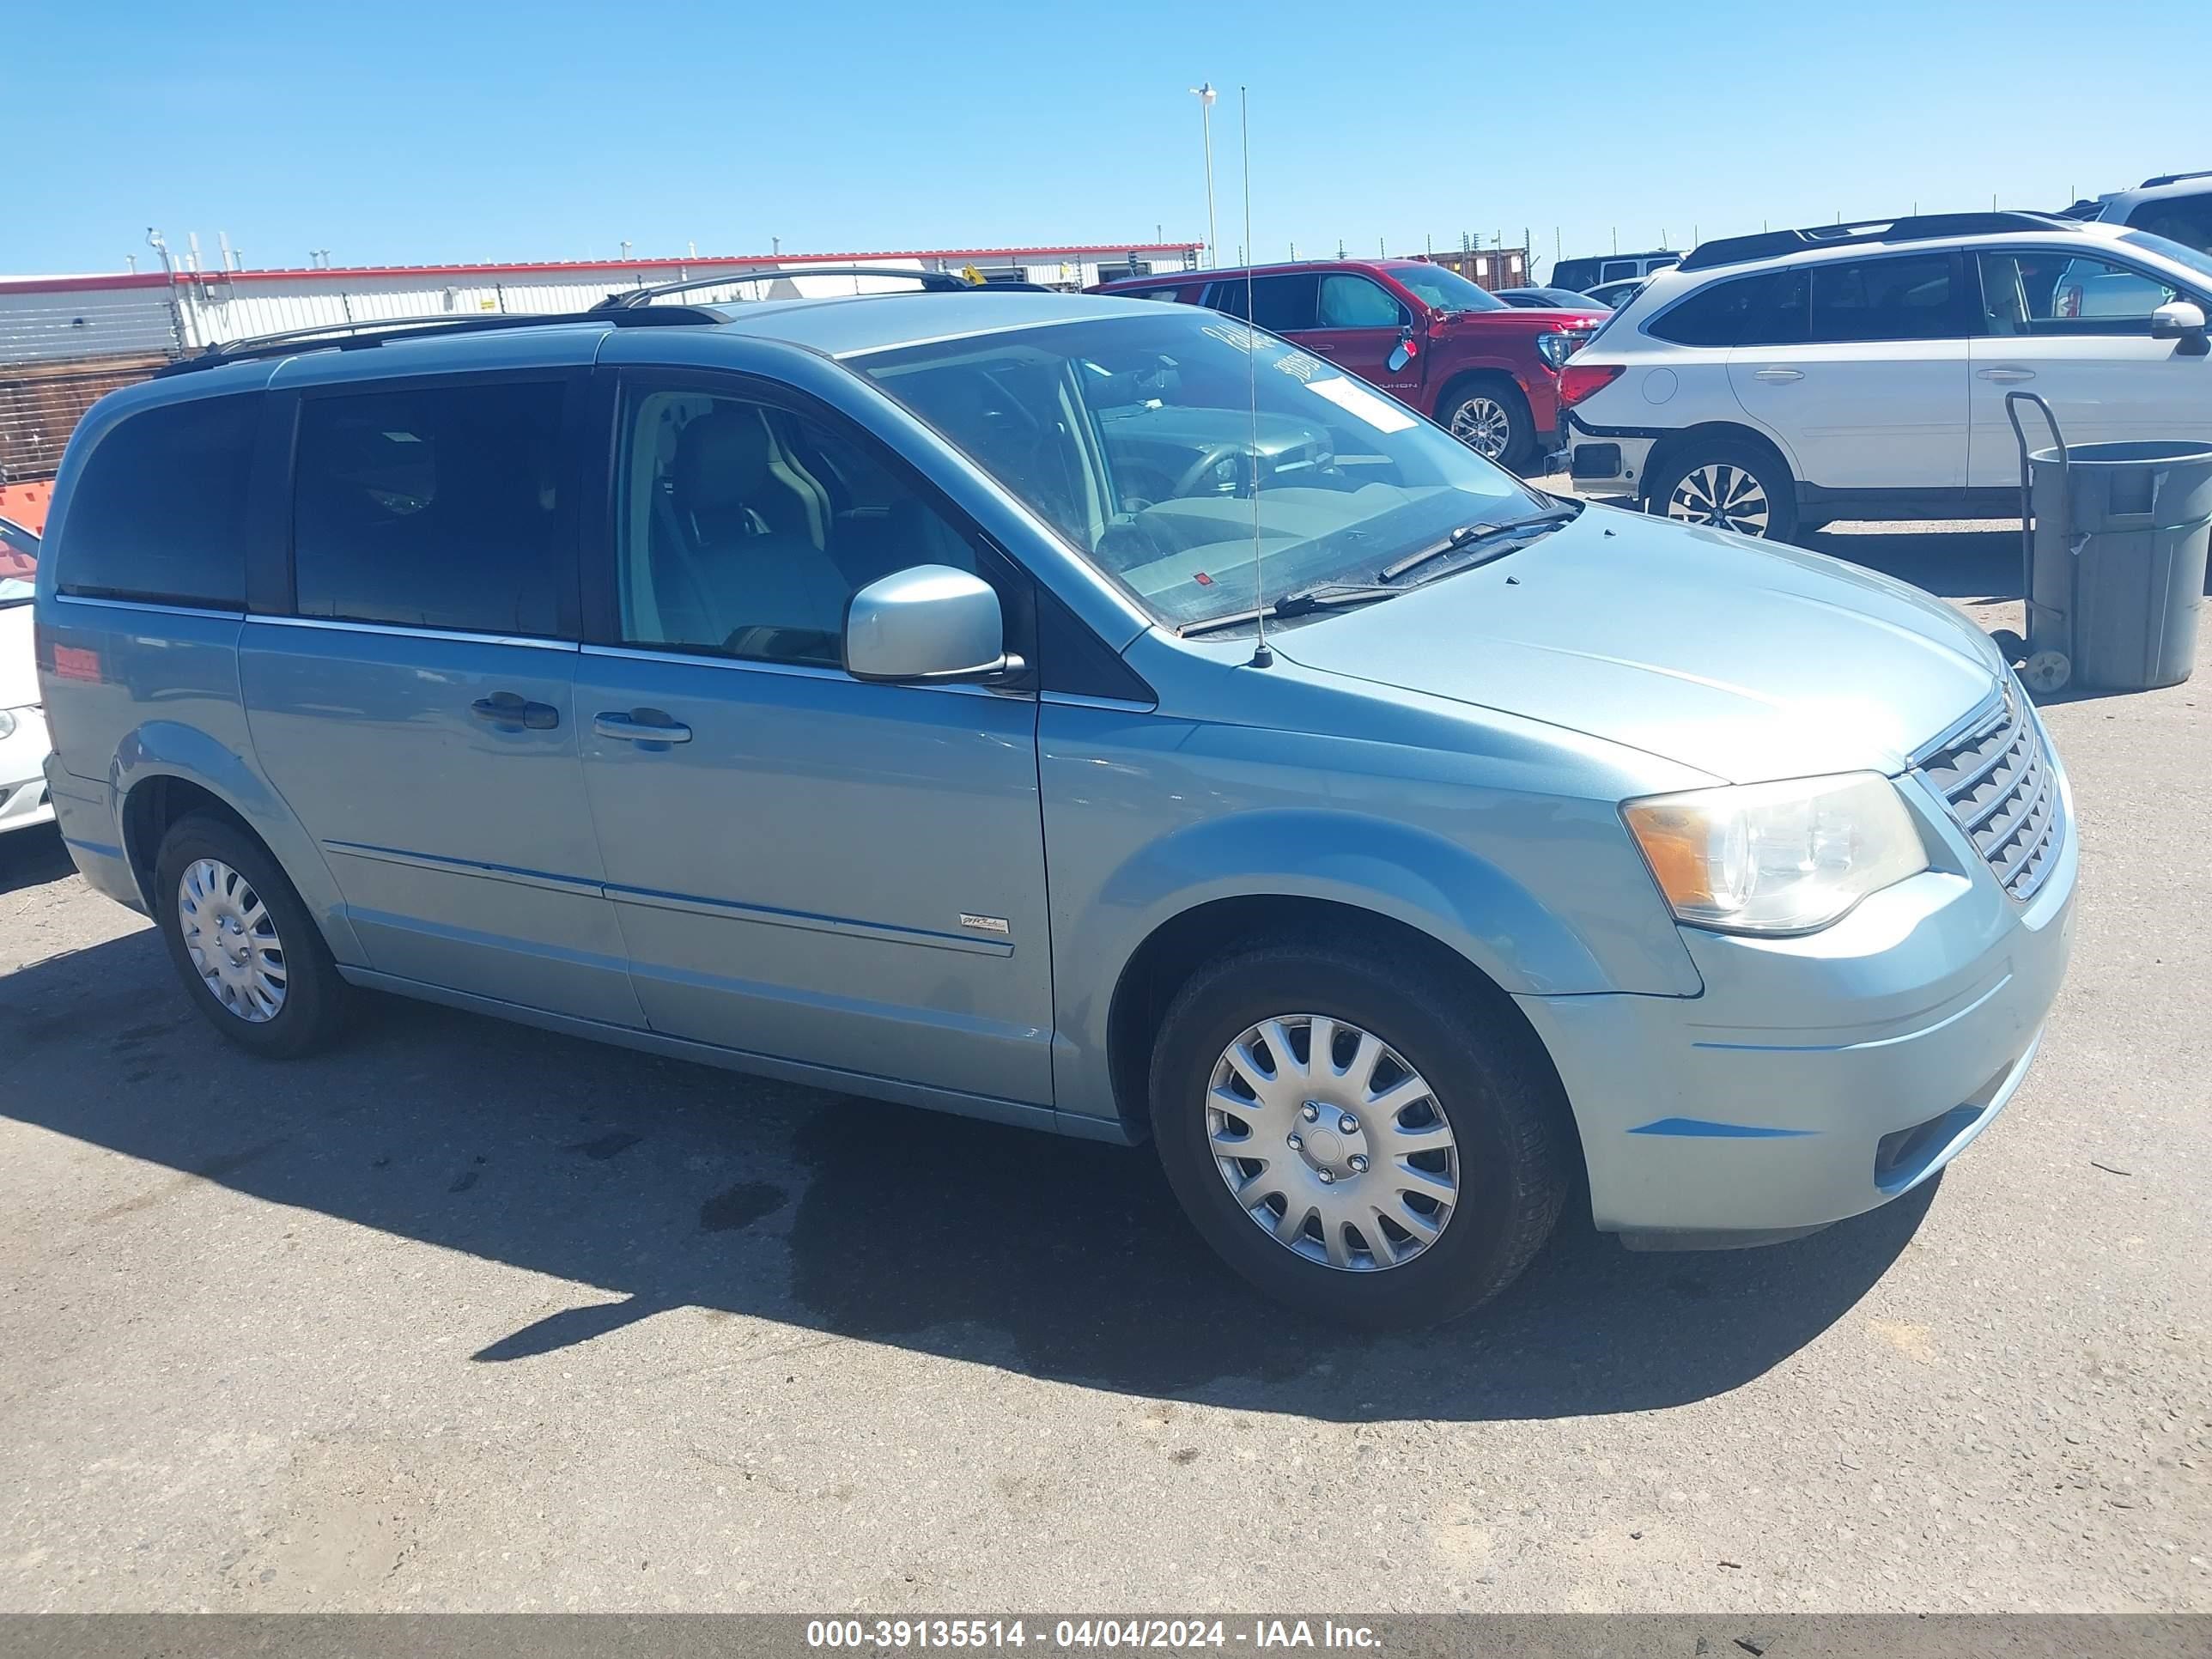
[1490,419]
[1728,486]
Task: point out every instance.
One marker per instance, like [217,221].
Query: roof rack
[934,281]
[1919,227]
[357,336]
[2173,179]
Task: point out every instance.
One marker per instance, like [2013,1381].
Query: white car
[22,723]
[2175,205]
[1773,383]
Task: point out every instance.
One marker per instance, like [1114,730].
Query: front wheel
[1728,486]
[1359,1143]
[1491,418]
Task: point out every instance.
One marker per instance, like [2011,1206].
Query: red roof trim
[706,264]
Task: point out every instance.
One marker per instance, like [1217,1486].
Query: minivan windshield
[1442,288]
[19,563]
[1167,448]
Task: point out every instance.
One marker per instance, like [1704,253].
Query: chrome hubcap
[232,940]
[1722,495]
[1483,425]
[1332,1143]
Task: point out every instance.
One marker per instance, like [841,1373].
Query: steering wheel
[1195,474]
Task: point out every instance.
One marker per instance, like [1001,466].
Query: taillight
[1578,380]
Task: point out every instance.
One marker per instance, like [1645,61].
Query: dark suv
[1485,371]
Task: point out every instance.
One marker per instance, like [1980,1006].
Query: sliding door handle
[641,725]
[505,708]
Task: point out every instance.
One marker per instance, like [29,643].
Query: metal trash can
[2115,536]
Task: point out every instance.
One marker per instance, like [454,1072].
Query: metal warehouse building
[66,340]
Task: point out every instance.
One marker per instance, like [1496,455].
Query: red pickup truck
[1483,370]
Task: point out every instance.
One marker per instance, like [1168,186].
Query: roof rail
[2173,179]
[357,335]
[1919,227]
[939,282]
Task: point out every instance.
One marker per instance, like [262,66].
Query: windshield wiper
[1475,534]
[1321,596]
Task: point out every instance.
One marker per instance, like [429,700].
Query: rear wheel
[1730,486]
[1357,1141]
[1490,417]
[252,958]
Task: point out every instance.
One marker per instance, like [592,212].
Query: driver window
[1355,302]
[2039,293]
[745,529]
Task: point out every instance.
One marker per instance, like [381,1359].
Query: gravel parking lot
[468,1316]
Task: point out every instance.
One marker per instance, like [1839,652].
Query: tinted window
[1280,304]
[432,508]
[1908,299]
[1348,302]
[1768,309]
[160,512]
[745,529]
[2048,292]
[2183,219]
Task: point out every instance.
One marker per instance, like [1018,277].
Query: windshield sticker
[1356,400]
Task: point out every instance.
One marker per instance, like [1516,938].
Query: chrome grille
[1996,778]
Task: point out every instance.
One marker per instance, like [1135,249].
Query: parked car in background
[1771,383]
[1581,276]
[22,725]
[1544,299]
[801,690]
[1485,371]
[2175,205]
[1613,295]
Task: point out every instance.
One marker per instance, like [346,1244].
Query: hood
[19,673]
[1513,319]
[1745,659]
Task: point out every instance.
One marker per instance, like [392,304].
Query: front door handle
[507,709]
[2006,376]
[1778,376]
[641,725]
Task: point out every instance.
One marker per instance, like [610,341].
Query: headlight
[1555,349]
[6,722]
[1777,858]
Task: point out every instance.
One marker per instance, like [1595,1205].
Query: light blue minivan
[1077,713]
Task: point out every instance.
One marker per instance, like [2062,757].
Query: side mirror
[1403,352]
[929,624]
[2182,320]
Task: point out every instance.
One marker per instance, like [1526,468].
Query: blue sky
[411,133]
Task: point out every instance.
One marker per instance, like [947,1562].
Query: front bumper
[1816,1077]
[23,796]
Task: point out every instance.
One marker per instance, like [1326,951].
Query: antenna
[1262,656]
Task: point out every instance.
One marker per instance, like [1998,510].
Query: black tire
[313,1008]
[1727,458]
[1520,447]
[1494,1087]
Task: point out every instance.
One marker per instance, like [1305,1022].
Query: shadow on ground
[31,857]
[671,1185]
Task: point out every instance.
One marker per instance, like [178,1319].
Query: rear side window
[433,506]
[1907,298]
[1281,305]
[1768,309]
[2183,219]
[160,512]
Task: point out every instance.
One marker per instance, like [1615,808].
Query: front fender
[1390,869]
[168,749]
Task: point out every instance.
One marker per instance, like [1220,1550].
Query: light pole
[1206,95]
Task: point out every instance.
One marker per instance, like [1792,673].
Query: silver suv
[1087,714]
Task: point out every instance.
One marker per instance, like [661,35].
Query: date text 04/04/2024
[1085,1633]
